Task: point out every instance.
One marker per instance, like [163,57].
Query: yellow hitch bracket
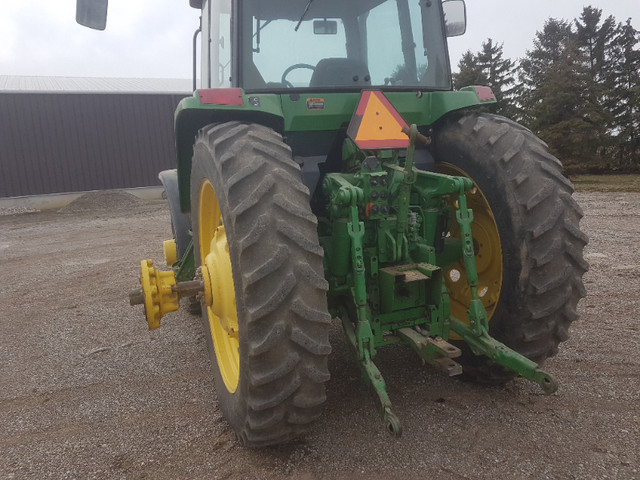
[170,252]
[158,293]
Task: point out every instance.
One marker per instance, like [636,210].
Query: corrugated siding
[62,142]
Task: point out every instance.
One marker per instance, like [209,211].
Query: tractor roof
[292,9]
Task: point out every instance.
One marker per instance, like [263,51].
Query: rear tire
[277,276]
[537,223]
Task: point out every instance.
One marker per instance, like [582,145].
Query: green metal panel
[301,112]
[422,108]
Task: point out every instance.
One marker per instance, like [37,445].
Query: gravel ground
[88,392]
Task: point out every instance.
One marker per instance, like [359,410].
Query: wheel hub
[220,295]
[219,292]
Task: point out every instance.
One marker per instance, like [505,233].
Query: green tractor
[326,171]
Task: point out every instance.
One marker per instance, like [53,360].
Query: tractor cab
[328,44]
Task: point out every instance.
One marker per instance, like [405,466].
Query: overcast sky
[152,38]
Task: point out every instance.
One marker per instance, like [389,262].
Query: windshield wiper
[306,9]
[261,27]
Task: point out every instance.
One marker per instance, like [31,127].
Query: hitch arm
[373,378]
[476,334]
[502,355]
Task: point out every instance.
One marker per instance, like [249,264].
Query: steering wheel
[286,82]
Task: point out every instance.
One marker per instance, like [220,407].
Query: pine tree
[625,78]
[499,73]
[594,40]
[470,72]
[588,37]
[548,45]
[563,113]
[488,67]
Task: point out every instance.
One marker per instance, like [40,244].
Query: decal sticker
[315,103]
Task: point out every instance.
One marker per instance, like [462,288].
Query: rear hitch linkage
[433,349]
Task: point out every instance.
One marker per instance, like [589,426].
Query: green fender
[197,111]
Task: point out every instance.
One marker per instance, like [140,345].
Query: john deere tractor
[327,172]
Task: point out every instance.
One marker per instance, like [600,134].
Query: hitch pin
[419,138]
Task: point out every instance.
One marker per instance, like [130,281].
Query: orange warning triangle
[377,125]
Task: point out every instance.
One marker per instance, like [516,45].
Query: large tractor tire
[526,236]
[265,305]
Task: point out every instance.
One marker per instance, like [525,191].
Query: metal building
[80,134]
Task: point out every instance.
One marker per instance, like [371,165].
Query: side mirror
[325,27]
[455,17]
[92,13]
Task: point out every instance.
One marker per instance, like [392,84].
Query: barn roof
[25,84]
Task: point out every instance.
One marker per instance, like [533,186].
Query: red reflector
[484,93]
[221,96]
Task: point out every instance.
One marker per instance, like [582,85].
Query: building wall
[71,142]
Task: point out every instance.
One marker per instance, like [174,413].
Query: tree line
[578,89]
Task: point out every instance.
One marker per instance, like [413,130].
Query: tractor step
[448,366]
[414,272]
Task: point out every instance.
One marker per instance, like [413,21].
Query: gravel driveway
[88,392]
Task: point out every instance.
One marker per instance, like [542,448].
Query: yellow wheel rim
[221,297]
[486,241]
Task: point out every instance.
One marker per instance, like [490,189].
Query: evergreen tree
[588,36]
[469,72]
[549,46]
[488,67]
[594,40]
[625,78]
[499,73]
[562,111]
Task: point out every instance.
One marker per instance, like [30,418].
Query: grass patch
[606,183]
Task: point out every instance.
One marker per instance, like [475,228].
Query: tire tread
[277,262]
[545,220]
